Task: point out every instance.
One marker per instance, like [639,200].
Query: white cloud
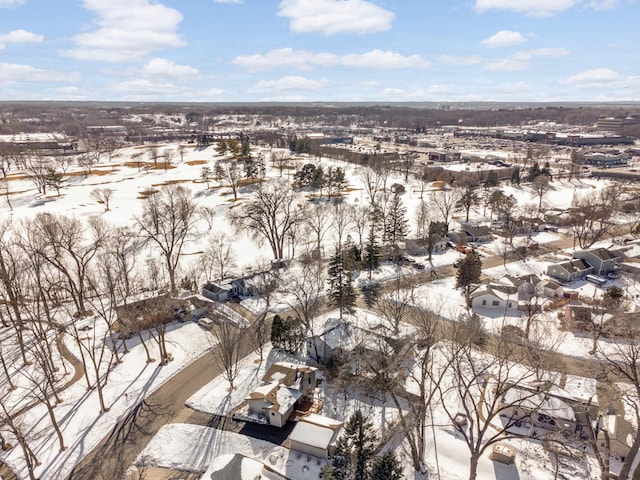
[461,60]
[305,60]
[534,8]
[522,60]
[285,57]
[331,17]
[10,3]
[14,73]
[127,31]
[603,78]
[19,36]
[381,60]
[160,67]
[290,82]
[603,4]
[504,38]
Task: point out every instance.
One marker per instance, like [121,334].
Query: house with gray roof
[570,271]
[601,259]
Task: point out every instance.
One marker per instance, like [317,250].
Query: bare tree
[208,214]
[228,350]
[154,154]
[6,192]
[491,391]
[342,218]
[317,219]
[219,258]
[361,216]
[623,361]
[592,215]
[541,186]
[37,171]
[445,201]
[66,244]
[280,159]
[306,288]
[182,150]
[468,197]
[232,176]
[167,219]
[17,429]
[372,181]
[270,215]
[103,196]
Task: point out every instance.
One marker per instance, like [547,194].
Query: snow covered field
[130,174]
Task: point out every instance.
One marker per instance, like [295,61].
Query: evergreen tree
[492,179]
[304,176]
[354,449]
[340,285]
[339,180]
[287,334]
[534,171]
[318,179]
[222,147]
[371,254]
[396,225]
[515,176]
[469,272]
[387,467]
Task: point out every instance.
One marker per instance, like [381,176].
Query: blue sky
[320,50]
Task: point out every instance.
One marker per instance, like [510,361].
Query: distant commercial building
[38,141]
[606,160]
[443,156]
[616,124]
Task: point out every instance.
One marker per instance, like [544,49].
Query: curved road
[110,459]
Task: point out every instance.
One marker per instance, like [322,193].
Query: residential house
[284,385]
[337,339]
[315,435]
[601,259]
[459,238]
[418,247]
[541,408]
[494,297]
[526,285]
[551,289]
[362,332]
[235,466]
[477,233]
[219,292]
[274,401]
[569,271]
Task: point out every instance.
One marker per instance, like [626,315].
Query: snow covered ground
[129,174]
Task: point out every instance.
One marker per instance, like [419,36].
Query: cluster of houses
[287,392]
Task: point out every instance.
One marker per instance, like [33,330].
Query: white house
[492,297]
[274,401]
[284,385]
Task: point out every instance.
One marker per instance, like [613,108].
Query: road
[133,433]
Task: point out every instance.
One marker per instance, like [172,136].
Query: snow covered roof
[313,435]
[286,398]
[235,466]
[540,402]
[286,373]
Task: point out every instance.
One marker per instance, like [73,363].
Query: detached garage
[315,435]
